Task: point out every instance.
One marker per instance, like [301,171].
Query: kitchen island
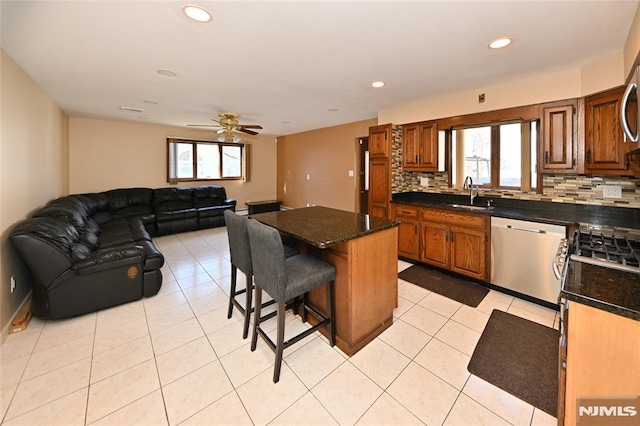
[364,251]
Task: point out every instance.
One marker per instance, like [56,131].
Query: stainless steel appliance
[629,120]
[522,255]
[609,249]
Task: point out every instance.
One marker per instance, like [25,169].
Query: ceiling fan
[228,124]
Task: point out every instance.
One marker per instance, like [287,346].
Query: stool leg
[247,307]
[232,290]
[305,302]
[330,310]
[279,342]
[256,317]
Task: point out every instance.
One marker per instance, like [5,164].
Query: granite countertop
[608,289]
[563,214]
[324,227]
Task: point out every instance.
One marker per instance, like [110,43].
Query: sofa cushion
[79,252]
[90,235]
[213,211]
[210,195]
[52,230]
[68,208]
[176,215]
[130,202]
[172,199]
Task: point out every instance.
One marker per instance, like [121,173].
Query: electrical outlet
[611,191]
[424,181]
[308,177]
[13,283]
[481,98]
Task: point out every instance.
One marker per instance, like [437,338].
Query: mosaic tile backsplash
[574,189]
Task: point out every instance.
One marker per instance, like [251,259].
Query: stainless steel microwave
[629,119]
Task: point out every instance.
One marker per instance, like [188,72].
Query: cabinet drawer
[407,211]
[455,218]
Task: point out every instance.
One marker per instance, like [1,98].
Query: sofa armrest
[102,260]
[230,201]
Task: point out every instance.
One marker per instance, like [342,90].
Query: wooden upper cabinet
[420,147]
[605,146]
[380,141]
[558,142]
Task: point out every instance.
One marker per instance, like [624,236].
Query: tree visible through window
[190,160]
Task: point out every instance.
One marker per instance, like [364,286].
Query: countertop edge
[599,304]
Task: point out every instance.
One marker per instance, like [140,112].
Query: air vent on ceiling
[131,109]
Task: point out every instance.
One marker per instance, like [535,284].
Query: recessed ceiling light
[167,73]
[197,13]
[377,84]
[501,42]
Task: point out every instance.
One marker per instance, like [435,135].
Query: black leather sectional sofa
[91,251]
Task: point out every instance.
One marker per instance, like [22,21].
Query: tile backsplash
[560,188]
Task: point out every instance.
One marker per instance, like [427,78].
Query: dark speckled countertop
[324,227]
[608,289]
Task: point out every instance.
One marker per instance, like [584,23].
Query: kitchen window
[496,156]
[195,160]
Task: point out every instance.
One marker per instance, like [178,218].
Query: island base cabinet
[602,359]
[365,290]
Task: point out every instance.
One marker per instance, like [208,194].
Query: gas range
[608,248]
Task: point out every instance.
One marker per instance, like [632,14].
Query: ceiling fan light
[196,13]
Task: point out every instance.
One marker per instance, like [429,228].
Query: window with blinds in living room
[198,160]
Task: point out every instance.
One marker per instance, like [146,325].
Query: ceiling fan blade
[251,126]
[202,125]
[249,132]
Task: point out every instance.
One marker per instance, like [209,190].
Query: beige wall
[33,155]
[326,155]
[107,154]
[632,45]
[601,74]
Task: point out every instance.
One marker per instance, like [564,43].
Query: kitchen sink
[469,207]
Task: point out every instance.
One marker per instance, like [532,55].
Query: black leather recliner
[91,251]
[81,261]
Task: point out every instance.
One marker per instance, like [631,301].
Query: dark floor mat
[520,357]
[458,289]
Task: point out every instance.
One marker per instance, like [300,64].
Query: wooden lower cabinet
[602,359]
[456,241]
[435,244]
[469,252]
[408,235]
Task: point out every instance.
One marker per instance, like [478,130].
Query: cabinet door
[379,187]
[468,252]
[410,147]
[435,244]
[604,141]
[408,231]
[380,141]
[558,143]
[428,146]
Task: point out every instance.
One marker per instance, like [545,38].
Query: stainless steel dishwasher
[522,255]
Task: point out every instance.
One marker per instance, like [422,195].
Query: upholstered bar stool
[240,252]
[285,279]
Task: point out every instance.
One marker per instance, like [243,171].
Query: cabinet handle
[589,156]
[446,236]
[416,159]
[574,162]
[546,157]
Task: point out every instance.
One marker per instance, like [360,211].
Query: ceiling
[293,66]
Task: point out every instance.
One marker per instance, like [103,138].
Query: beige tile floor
[175,358]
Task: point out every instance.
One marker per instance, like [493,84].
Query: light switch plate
[611,191]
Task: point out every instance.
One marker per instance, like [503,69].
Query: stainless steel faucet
[473,191]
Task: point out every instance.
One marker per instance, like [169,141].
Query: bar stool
[286,279]
[240,253]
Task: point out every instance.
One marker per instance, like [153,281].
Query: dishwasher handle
[517,228]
